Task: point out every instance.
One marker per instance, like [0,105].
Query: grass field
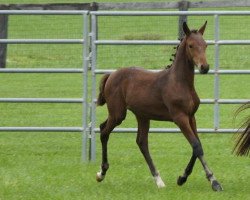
[48,165]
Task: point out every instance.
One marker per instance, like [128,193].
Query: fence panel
[128,38]
[43,51]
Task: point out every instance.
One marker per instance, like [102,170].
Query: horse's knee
[197,149]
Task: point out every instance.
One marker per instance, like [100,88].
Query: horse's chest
[187,103]
[193,103]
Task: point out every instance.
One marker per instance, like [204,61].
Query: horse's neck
[182,68]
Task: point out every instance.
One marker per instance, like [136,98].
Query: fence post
[94,27]
[183,6]
[85,87]
[3,35]
[216,74]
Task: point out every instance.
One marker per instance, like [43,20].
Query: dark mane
[176,49]
[174,54]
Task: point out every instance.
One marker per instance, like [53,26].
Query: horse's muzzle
[204,69]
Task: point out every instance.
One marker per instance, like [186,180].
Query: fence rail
[172,130]
[42,100]
[42,41]
[126,6]
[166,42]
[168,13]
[44,12]
[43,129]
[41,70]
[242,71]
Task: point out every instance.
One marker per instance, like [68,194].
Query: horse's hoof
[159,182]
[99,177]
[181,180]
[216,186]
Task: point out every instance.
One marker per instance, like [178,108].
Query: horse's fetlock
[209,176]
[105,167]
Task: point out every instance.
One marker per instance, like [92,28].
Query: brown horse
[168,95]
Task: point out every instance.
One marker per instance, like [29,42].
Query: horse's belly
[151,113]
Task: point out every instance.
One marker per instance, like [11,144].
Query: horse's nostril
[204,69]
[205,66]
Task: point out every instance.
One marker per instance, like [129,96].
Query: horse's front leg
[183,122]
[142,141]
[182,179]
[209,174]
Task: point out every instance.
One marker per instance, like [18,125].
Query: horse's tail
[242,146]
[101,99]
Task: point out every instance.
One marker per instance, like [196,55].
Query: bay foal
[168,95]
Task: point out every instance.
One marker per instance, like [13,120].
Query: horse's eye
[190,46]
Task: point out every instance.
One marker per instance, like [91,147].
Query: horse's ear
[202,29]
[186,29]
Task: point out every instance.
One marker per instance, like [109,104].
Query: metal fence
[89,126]
[84,71]
[216,101]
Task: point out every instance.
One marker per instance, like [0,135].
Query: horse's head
[196,47]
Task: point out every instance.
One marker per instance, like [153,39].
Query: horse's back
[138,90]
[130,79]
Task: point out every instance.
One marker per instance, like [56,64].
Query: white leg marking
[99,176]
[159,182]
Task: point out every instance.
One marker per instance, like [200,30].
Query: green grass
[48,165]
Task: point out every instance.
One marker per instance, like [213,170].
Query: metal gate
[90,43]
[96,15]
[83,71]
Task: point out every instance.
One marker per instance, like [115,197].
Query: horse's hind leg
[105,130]
[142,141]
